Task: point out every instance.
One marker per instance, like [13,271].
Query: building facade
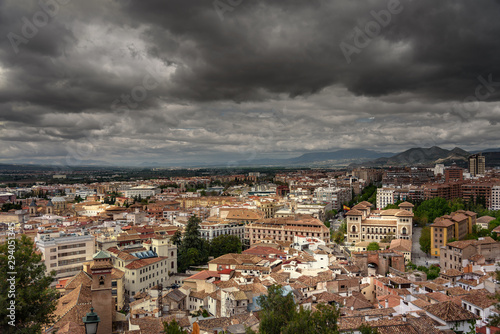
[455,226]
[65,253]
[477,164]
[365,224]
[284,229]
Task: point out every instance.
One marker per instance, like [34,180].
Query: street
[417,256]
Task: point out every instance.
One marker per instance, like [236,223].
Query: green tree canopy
[173,327]
[277,310]
[224,244]
[425,240]
[279,315]
[192,249]
[34,300]
[373,246]
[365,329]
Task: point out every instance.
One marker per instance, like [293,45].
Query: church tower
[33,208]
[102,300]
[49,208]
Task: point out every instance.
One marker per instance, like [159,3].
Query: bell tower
[32,207]
[49,208]
[102,300]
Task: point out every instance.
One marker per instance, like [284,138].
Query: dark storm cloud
[436,49]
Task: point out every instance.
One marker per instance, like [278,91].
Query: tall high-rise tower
[477,164]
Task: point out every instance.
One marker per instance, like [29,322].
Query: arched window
[353,229]
[101,280]
[403,230]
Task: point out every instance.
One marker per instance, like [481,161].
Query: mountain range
[331,159]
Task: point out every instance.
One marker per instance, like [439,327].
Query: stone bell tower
[33,208]
[102,300]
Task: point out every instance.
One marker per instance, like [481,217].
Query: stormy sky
[173,81]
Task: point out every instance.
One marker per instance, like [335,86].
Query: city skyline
[121,82]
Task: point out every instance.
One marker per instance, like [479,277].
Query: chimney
[387,303]
[404,317]
[488,330]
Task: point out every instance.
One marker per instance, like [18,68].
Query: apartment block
[215,227]
[145,265]
[456,226]
[477,164]
[336,196]
[385,196]
[284,229]
[495,198]
[65,253]
[452,255]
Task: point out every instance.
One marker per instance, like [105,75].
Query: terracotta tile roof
[424,324]
[211,325]
[176,295]
[148,325]
[480,299]
[452,273]
[442,222]
[69,327]
[438,296]
[204,275]
[117,273]
[456,291]
[234,259]
[74,305]
[144,262]
[403,245]
[449,311]
[81,278]
[354,212]
[420,303]
[440,280]
[198,294]
[357,303]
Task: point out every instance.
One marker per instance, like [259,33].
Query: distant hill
[342,157]
[421,156]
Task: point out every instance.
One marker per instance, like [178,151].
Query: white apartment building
[211,230]
[142,190]
[65,253]
[145,265]
[385,196]
[336,196]
[495,198]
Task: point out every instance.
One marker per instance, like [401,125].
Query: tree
[425,240]
[192,250]
[78,199]
[323,320]
[173,327]
[387,238]
[373,246]
[224,244]
[277,310]
[34,300]
[177,238]
[338,237]
[365,329]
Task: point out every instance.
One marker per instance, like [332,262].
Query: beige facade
[364,224]
[147,265]
[65,254]
[456,226]
[284,229]
[452,255]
